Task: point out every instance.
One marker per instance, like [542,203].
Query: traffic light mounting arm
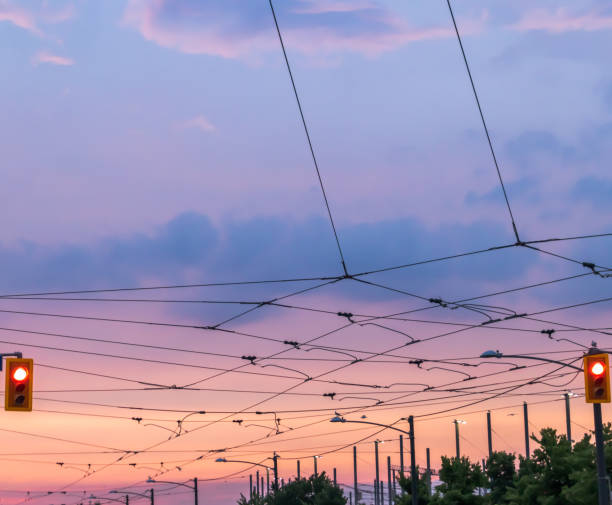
[15,354]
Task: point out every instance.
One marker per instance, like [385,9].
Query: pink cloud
[229,33]
[30,20]
[19,17]
[561,20]
[53,59]
[199,122]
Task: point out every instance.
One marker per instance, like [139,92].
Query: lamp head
[221,460]
[150,480]
[491,354]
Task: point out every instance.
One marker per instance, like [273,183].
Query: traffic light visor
[20,374]
[598,368]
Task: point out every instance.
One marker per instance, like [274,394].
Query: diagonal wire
[484,123]
[314,158]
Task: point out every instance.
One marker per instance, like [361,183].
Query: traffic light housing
[18,389]
[596,378]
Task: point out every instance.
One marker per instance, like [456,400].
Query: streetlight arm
[342,420]
[223,460]
[153,481]
[497,354]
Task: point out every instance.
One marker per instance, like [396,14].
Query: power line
[314,158]
[484,123]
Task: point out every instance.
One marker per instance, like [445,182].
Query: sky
[158,143]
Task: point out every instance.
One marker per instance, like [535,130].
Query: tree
[460,480]
[317,490]
[406,486]
[501,471]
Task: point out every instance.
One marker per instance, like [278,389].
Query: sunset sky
[158,144]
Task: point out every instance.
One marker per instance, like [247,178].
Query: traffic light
[18,390]
[596,378]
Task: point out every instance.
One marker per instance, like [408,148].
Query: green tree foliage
[501,471]
[405,483]
[557,473]
[317,490]
[460,480]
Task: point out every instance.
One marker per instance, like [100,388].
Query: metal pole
[298,469]
[428,473]
[316,473]
[275,458]
[457,448]
[355,472]
[251,487]
[350,498]
[568,418]
[375,492]
[603,485]
[262,487]
[526,419]
[382,493]
[389,488]
[402,454]
[377,472]
[414,476]
[335,479]
[195,489]
[267,480]
[152,496]
[257,479]
[127,499]
[489,434]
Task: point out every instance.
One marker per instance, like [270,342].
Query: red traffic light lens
[597,368]
[20,374]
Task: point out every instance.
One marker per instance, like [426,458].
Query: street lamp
[457,422]
[603,485]
[92,497]
[274,458]
[151,495]
[194,486]
[413,471]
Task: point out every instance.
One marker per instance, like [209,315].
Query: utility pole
[152,496]
[402,454]
[257,478]
[428,473]
[316,473]
[195,489]
[251,486]
[413,470]
[526,420]
[267,481]
[489,434]
[568,419]
[335,477]
[457,448]
[275,459]
[355,473]
[298,469]
[389,485]
[377,472]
